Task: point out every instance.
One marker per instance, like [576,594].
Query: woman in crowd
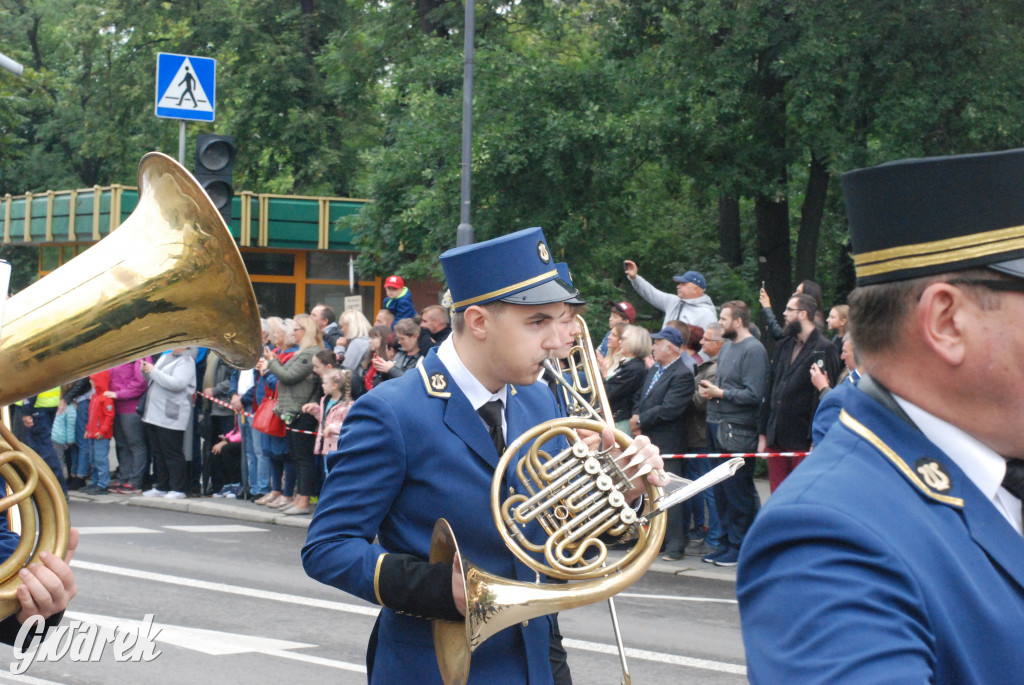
[623,382]
[613,343]
[693,336]
[297,385]
[127,386]
[275,448]
[837,320]
[168,410]
[408,333]
[356,330]
[378,347]
[324,360]
[331,410]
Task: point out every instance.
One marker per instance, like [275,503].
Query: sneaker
[173,494]
[93,490]
[721,551]
[76,483]
[154,492]
[672,556]
[127,489]
[730,558]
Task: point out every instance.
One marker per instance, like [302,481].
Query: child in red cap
[399,299]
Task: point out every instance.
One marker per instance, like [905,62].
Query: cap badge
[542,252]
[438,382]
[934,474]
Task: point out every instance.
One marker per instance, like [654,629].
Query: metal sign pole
[181,142]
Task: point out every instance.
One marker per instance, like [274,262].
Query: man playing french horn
[426,446]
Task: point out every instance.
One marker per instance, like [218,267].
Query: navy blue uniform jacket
[414,450]
[865,567]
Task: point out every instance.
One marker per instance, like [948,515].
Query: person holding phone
[790,396]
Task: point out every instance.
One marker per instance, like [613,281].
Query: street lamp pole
[464,234]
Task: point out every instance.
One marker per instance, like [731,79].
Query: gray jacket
[296,382]
[172,383]
[742,375]
[699,311]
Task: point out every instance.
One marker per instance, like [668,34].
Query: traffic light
[215,163]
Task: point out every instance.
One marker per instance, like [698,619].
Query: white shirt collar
[472,388]
[983,466]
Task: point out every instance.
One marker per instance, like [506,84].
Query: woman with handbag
[267,425]
[297,385]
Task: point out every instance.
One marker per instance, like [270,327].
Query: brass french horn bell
[169,276]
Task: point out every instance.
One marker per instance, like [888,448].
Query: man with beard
[733,400]
[791,398]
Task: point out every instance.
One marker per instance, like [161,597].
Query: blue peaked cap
[515,268]
[563,273]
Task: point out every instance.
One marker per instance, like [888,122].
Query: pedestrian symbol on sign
[185,87]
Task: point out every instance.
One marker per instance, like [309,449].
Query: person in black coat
[658,408]
[790,397]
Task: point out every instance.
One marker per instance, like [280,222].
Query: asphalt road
[234,606]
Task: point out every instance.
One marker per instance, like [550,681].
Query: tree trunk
[810,220]
[729,230]
[774,263]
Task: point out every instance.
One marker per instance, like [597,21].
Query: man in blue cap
[658,409]
[689,305]
[426,445]
[895,553]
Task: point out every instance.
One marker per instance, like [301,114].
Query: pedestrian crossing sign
[186,87]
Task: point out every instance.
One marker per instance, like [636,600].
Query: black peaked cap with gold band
[919,217]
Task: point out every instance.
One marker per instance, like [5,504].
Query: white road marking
[674,659]
[226,528]
[6,677]
[676,598]
[364,610]
[227,589]
[114,530]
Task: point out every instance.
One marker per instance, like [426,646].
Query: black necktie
[1013,482]
[491,414]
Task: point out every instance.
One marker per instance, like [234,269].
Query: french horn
[577,497]
[169,276]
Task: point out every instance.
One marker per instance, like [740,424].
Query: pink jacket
[330,426]
[129,384]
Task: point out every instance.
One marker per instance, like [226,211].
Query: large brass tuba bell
[169,276]
[577,498]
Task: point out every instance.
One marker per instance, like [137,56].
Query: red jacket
[101,409]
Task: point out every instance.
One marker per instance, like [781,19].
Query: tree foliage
[704,134]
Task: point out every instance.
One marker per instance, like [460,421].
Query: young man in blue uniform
[416,449]
[895,552]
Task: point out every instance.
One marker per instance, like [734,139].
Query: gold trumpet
[169,276]
[577,498]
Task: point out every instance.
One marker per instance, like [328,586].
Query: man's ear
[941,317]
[477,321]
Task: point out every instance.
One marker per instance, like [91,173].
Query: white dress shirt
[473,389]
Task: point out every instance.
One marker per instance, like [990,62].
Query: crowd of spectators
[702,384]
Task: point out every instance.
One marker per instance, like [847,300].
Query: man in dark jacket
[658,409]
[790,397]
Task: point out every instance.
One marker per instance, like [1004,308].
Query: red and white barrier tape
[249,413]
[729,455]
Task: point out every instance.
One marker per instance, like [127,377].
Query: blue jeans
[695,469]
[736,498]
[80,456]
[258,466]
[99,458]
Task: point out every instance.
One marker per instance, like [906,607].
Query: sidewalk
[243,510]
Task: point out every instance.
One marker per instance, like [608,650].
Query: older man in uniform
[895,552]
[426,445]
